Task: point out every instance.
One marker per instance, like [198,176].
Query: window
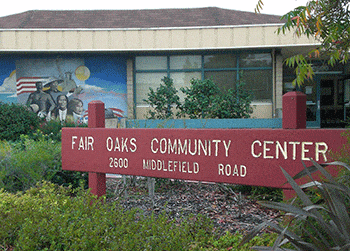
[185,62]
[144,82]
[151,63]
[227,70]
[220,61]
[224,79]
[259,82]
[182,79]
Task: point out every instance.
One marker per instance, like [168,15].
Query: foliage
[203,99]
[26,162]
[325,226]
[16,120]
[47,217]
[328,21]
[163,100]
[235,103]
[200,98]
[260,193]
[231,241]
[31,159]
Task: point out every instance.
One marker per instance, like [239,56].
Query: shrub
[26,162]
[15,120]
[48,217]
[231,241]
[163,100]
[325,226]
[235,103]
[200,99]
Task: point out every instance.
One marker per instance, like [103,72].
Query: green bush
[200,98]
[324,225]
[260,193]
[15,120]
[26,162]
[48,217]
[163,100]
[235,103]
[231,241]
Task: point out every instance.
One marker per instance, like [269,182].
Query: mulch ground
[228,210]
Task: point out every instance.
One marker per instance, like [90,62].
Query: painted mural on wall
[61,87]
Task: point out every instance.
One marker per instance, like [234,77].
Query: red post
[294,110]
[294,117]
[96,119]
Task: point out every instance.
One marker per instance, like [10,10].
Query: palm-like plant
[325,226]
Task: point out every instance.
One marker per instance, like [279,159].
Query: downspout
[273,83]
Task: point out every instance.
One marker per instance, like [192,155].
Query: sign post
[97,180]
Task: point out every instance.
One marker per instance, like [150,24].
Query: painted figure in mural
[75,110]
[61,110]
[53,85]
[41,102]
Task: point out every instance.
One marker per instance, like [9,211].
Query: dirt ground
[228,210]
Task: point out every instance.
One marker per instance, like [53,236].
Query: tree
[328,21]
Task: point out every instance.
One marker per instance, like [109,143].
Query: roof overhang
[152,39]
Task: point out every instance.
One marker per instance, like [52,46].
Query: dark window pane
[220,61]
[255,60]
[259,82]
[224,79]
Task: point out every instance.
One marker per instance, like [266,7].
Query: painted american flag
[27,84]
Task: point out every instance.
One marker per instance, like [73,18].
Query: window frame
[202,68]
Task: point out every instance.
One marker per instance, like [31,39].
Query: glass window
[259,82]
[185,62]
[255,71]
[144,81]
[220,61]
[224,79]
[151,63]
[255,60]
[183,79]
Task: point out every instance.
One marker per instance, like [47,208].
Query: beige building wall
[195,38]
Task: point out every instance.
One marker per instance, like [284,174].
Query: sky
[277,7]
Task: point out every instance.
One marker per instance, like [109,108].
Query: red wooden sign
[239,156]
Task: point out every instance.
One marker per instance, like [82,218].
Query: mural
[58,87]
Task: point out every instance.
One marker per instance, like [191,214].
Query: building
[116,55]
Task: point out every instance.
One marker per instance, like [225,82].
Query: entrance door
[332,102]
[328,97]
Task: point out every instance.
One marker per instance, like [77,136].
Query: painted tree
[328,21]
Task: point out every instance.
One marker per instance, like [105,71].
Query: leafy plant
[325,226]
[27,162]
[328,22]
[231,241]
[48,217]
[235,103]
[163,100]
[200,98]
[15,120]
